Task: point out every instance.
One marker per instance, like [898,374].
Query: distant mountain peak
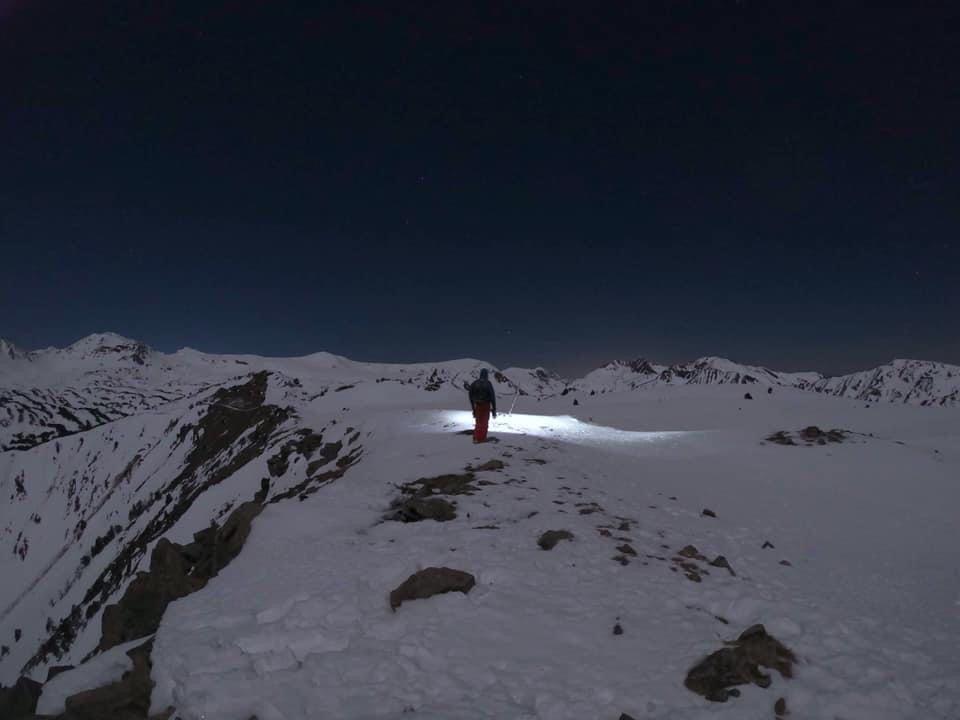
[102,339]
[109,345]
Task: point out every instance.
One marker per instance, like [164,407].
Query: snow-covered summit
[106,346]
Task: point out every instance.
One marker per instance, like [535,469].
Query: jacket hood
[484,374]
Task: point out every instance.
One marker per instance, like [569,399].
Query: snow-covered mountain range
[127,475]
[913,382]
[52,393]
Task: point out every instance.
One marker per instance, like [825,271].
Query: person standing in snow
[483,400]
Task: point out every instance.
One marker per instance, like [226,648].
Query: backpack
[479,391]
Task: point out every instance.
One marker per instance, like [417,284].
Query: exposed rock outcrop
[175,571]
[417,509]
[429,582]
[716,676]
[19,701]
[550,538]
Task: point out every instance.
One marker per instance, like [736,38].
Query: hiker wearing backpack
[483,401]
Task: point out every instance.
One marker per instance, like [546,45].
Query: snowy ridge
[914,382]
[622,375]
[538,382]
[52,393]
[81,513]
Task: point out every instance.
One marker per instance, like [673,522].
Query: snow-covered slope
[298,625]
[52,393]
[287,632]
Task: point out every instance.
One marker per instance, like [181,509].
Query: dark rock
[787,563]
[624,716]
[780,707]
[626,549]
[175,572]
[19,701]
[624,526]
[490,465]
[417,509]
[766,544]
[605,532]
[235,531]
[690,551]
[126,699]
[781,437]
[207,536]
[721,561]
[146,598]
[261,495]
[769,391]
[55,670]
[707,512]
[747,396]
[618,629]
[622,559]
[739,663]
[429,582]
[550,538]
[692,572]
[576,402]
[811,432]
[442,485]
[328,453]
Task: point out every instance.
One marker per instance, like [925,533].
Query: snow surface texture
[299,624]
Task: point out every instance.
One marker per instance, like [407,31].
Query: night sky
[553,184]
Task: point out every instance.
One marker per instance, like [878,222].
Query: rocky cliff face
[83,512]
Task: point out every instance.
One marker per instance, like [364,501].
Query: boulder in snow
[550,538]
[739,663]
[429,582]
[416,509]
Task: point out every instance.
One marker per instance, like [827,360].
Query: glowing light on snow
[560,427]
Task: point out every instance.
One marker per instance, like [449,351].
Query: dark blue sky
[528,183]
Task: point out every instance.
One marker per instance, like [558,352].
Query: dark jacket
[481,390]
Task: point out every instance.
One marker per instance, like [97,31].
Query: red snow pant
[481,414]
